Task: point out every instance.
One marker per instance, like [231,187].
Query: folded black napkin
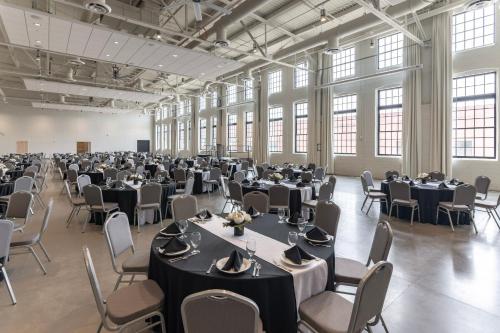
[412,183]
[293,179]
[460,183]
[256,184]
[318,234]
[209,215]
[245,181]
[296,254]
[306,181]
[301,184]
[233,262]
[442,185]
[294,218]
[171,229]
[454,181]
[174,245]
[389,178]
[252,211]
[406,178]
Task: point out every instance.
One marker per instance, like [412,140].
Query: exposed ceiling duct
[351,27]
[97,6]
[332,45]
[82,108]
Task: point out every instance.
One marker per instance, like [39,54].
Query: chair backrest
[224,181]
[279,195]
[370,296]
[391,173]
[235,191]
[184,207]
[162,173]
[111,173]
[327,217]
[257,200]
[332,180]
[6,229]
[381,244]
[325,192]
[24,183]
[436,175]
[311,166]
[306,176]
[93,195]
[86,164]
[219,311]
[367,174]
[319,173]
[465,194]
[123,175]
[239,176]
[32,168]
[10,165]
[188,189]
[215,174]
[179,175]
[74,167]
[482,185]
[82,181]
[19,205]
[151,193]
[400,190]
[267,173]
[46,217]
[30,174]
[364,184]
[265,166]
[224,168]
[94,283]
[118,236]
[287,172]
[72,175]
[140,169]
[244,165]
[260,171]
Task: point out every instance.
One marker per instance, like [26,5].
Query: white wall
[52,131]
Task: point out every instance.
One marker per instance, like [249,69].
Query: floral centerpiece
[4,168]
[136,178]
[423,177]
[237,220]
[276,177]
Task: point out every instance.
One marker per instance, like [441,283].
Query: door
[82,147]
[143,146]
[22,147]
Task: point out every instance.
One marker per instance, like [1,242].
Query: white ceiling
[83,90]
[36,29]
[69,107]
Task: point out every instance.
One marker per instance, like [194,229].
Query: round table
[14,174]
[96,177]
[428,195]
[272,291]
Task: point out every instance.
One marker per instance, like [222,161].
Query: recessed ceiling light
[175,55]
[107,55]
[37,24]
[38,42]
[160,65]
[201,74]
[116,42]
[219,66]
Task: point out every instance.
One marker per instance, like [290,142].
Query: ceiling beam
[276,26]
[252,38]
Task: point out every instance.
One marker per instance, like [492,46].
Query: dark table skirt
[14,174]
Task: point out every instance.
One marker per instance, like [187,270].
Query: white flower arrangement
[423,175]
[237,219]
[276,176]
[136,177]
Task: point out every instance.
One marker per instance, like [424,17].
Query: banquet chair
[225,192]
[74,167]
[119,241]
[32,168]
[82,181]
[463,202]
[123,175]
[71,178]
[224,167]
[76,204]
[371,194]
[279,198]
[491,208]
[139,169]
[28,241]
[129,306]
[184,207]
[62,169]
[266,174]
[330,312]
[180,177]
[244,167]
[332,180]
[260,171]
[391,173]
[235,194]
[437,175]
[86,164]
[95,203]
[349,272]
[19,208]
[239,176]
[318,175]
[219,310]
[265,166]
[162,173]
[327,217]
[6,230]
[256,199]
[482,185]
[287,172]
[400,193]
[188,190]
[10,166]
[215,174]
[311,166]
[150,199]
[367,174]
[110,173]
[23,183]
[325,194]
[251,167]
[306,176]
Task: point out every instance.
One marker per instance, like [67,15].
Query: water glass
[195,239]
[301,224]
[182,225]
[281,215]
[203,215]
[293,237]
[108,182]
[251,248]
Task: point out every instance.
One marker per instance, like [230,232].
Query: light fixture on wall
[372,43]
[322,15]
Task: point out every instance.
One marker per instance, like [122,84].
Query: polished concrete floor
[443,281]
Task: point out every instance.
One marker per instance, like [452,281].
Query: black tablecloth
[428,197]
[14,174]
[295,195]
[96,177]
[5,189]
[273,291]
[151,168]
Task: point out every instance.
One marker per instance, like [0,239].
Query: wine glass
[251,248]
[281,215]
[108,182]
[203,215]
[301,224]
[195,239]
[182,225]
[293,237]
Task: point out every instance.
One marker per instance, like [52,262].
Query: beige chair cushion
[376,194]
[78,201]
[134,301]
[310,203]
[410,203]
[485,204]
[5,198]
[23,239]
[148,206]
[449,206]
[327,312]
[137,262]
[107,206]
[349,271]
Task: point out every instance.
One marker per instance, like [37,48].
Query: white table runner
[305,192]
[307,281]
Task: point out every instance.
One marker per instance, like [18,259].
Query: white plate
[165,233]
[174,253]
[288,221]
[318,241]
[245,266]
[288,262]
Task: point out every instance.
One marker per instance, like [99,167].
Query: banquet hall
[247,166]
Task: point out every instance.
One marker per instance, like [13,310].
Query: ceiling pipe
[358,25]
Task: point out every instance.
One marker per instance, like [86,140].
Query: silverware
[316,244]
[163,237]
[259,266]
[254,269]
[182,258]
[209,270]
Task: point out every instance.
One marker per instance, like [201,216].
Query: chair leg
[494,212]
[131,279]
[449,219]
[38,260]
[418,211]
[412,213]
[473,222]
[364,202]
[383,324]
[118,282]
[70,217]
[44,251]
[136,218]
[161,217]
[390,212]
[370,207]
[9,286]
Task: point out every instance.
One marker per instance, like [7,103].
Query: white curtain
[441,99]
[412,127]
[260,139]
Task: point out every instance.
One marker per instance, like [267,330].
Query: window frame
[347,111]
[181,131]
[454,32]
[230,125]
[296,119]
[387,107]
[248,93]
[270,122]
[274,84]
[249,133]
[231,94]
[202,135]
[214,131]
[399,51]
[337,63]
[301,76]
